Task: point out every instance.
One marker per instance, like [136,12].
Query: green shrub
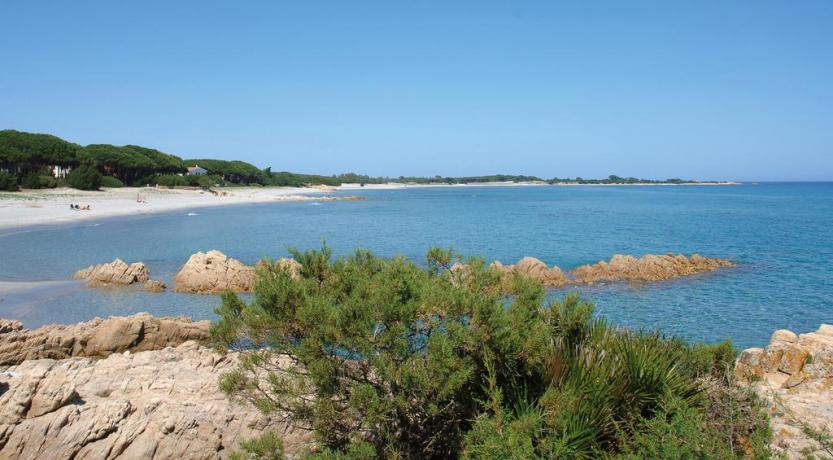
[8,182]
[207,181]
[267,446]
[36,181]
[170,180]
[732,424]
[412,362]
[111,182]
[46,181]
[84,177]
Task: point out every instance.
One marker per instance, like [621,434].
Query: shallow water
[781,235]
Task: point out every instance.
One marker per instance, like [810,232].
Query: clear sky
[705,89]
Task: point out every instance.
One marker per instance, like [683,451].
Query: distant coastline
[44,161]
[398,185]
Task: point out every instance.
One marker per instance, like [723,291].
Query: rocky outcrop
[214,272]
[620,268]
[647,268]
[10,325]
[535,269]
[154,404]
[99,337]
[794,373]
[154,286]
[116,272]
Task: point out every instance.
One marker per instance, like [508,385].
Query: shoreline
[33,208]
[396,185]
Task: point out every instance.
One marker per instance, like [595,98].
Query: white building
[61,171]
[196,171]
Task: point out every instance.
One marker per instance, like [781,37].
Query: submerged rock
[153,404]
[213,272]
[116,272]
[794,374]
[99,337]
[647,268]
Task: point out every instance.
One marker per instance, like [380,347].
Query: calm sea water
[781,235]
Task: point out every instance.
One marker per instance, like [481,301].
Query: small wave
[193,214]
[315,204]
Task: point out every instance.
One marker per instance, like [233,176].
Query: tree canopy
[233,171]
[25,154]
[131,163]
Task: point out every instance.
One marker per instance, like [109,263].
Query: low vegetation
[28,157]
[85,177]
[111,182]
[382,358]
[8,182]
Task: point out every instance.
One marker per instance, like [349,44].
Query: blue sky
[710,89]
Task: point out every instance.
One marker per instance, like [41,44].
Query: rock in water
[538,270]
[154,286]
[535,269]
[154,404]
[116,272]
[213,272]
[794,374]
[647,268]
[99,337]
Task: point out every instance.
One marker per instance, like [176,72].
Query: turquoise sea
[780,234]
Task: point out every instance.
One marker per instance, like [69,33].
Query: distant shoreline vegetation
[33,161]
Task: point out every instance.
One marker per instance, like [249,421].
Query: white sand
[38,207]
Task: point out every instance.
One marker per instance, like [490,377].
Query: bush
[84,177]
[35,181]
[8,182]
[411,362]
[111,182]
[207,181]
[268,446]
[173,180]
[170,180]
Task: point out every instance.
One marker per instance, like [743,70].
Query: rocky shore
[146,387]
[794,374]
[150,393]
[96,338]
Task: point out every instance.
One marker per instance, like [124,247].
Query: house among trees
[196,171]
[60,171]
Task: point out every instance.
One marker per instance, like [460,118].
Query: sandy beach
[52,206]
